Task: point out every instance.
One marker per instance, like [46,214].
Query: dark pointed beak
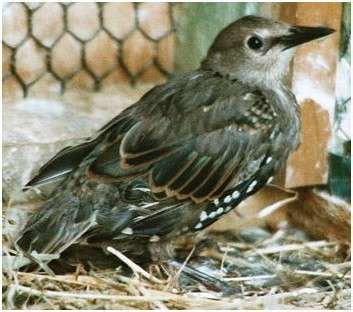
[300,34]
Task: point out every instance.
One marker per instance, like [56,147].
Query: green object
[340,175]
[346,32]
[339,157]
[199,23]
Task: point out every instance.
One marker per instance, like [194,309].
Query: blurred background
[68,68]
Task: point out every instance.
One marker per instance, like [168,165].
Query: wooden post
[313,82]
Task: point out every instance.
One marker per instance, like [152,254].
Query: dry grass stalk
[278,271]
[291,247]
[133,266]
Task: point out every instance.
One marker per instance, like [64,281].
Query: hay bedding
[266,270]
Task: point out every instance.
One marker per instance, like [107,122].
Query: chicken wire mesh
[55,46]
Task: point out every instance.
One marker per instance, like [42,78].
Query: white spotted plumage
[127,231]
[251,186]
[198,226]
[203,216]
[268,160]
[228,208]
[212,214]
[227,199]
[220,210]
[154,238]
[236,194]
[270,179]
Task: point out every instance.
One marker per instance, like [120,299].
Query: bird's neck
[268,80]
[287,107]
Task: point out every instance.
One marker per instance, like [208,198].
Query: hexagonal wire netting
[86,44]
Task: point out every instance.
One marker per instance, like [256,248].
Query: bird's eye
[255,43]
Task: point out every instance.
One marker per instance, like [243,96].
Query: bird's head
[258,50]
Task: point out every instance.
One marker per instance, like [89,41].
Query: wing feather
[62,164]
[192,141]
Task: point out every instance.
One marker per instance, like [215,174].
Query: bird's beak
[300,34]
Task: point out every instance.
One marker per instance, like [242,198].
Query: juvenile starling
[188,152]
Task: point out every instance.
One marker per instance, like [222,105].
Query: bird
[184,155]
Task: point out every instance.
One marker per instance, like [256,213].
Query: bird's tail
[59,223]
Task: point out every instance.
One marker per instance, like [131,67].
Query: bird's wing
[193,137]
[69,158]
[61,164]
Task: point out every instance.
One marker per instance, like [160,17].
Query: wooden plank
[313,82]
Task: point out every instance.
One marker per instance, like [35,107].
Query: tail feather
[65,220]
[54,227]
